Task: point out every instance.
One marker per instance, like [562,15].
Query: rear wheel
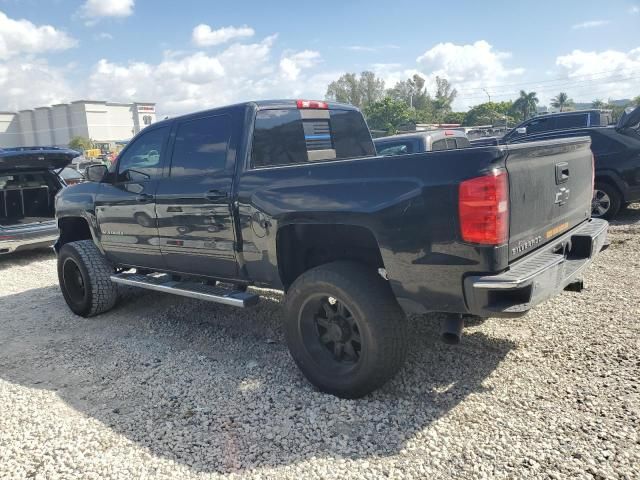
[606,201]
[344,329]
[84,277]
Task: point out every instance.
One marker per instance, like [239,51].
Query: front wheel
[606,201]
[84,276]
[345,329]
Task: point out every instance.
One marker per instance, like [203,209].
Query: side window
[571,121]
[539,125]
[395,149]
[462,142]
[201,146]
[142,159]
[439,145]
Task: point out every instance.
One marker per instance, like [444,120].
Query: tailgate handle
[216,195]
[562,172]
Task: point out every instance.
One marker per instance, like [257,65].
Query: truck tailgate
[550,190]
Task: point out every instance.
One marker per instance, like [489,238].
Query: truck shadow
[25,257]
[214,388]
[628,216]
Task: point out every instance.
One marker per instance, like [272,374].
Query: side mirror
[95,173]
[521,130]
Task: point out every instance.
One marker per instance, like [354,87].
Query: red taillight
[483,205]
[449,133]
[312,104]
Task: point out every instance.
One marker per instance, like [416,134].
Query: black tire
[608,208]
[84,273]
[372,351]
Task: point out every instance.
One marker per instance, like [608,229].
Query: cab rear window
[293,136]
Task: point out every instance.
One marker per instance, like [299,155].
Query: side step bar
[201,291]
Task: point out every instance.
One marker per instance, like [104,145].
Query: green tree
[387,114]
[454,117]
[80,144]
[358,91]
[598,103]
[414,94]
[561,101]
[444,97]
[371,88]
[636,101]
[411,91]
[490,113]
[526,104]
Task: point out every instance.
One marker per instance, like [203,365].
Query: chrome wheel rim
[600,204]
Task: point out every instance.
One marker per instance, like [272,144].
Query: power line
[571,86]
[557,79]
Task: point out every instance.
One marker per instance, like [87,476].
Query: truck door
[125,207]
[194,206]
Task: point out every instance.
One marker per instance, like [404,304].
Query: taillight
[483,205]
[312,104]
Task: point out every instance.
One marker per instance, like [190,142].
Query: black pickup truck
[290,195]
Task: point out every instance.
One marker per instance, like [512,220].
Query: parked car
[550,122]
[70,176]
[616,153]
[429,141]
[28,185]
[291,195]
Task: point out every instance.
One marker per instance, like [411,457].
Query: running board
[201,291]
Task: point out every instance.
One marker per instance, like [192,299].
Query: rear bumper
[28,238]
[537,276]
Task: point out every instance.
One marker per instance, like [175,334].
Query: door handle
[144,198]
[562,172]
[215,195]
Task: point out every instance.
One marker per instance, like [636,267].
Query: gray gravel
[163,387]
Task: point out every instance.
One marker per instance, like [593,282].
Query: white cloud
[107,8]
[634,10]
[590,24]
[204,36]
[292,65]
[103,36]
[469,68]
[605,74]
[368,48]
[32,83]
[18,37]
[183,82]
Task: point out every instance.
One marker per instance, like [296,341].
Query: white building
[56,125]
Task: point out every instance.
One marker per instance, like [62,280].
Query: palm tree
[597,103]
[561,101]
[526,104]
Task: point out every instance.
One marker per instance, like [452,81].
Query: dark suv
[560,121]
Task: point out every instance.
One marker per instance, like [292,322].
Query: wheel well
[304,246]
[72,229]
[609,181]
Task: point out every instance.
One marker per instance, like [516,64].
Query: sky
[190,55]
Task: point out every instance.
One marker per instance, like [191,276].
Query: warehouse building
[57,124]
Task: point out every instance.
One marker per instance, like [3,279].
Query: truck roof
[259,105]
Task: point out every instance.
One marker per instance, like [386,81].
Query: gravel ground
[163,387]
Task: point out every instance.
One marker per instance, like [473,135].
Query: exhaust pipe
[452,329]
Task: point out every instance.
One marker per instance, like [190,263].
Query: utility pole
[489,96]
